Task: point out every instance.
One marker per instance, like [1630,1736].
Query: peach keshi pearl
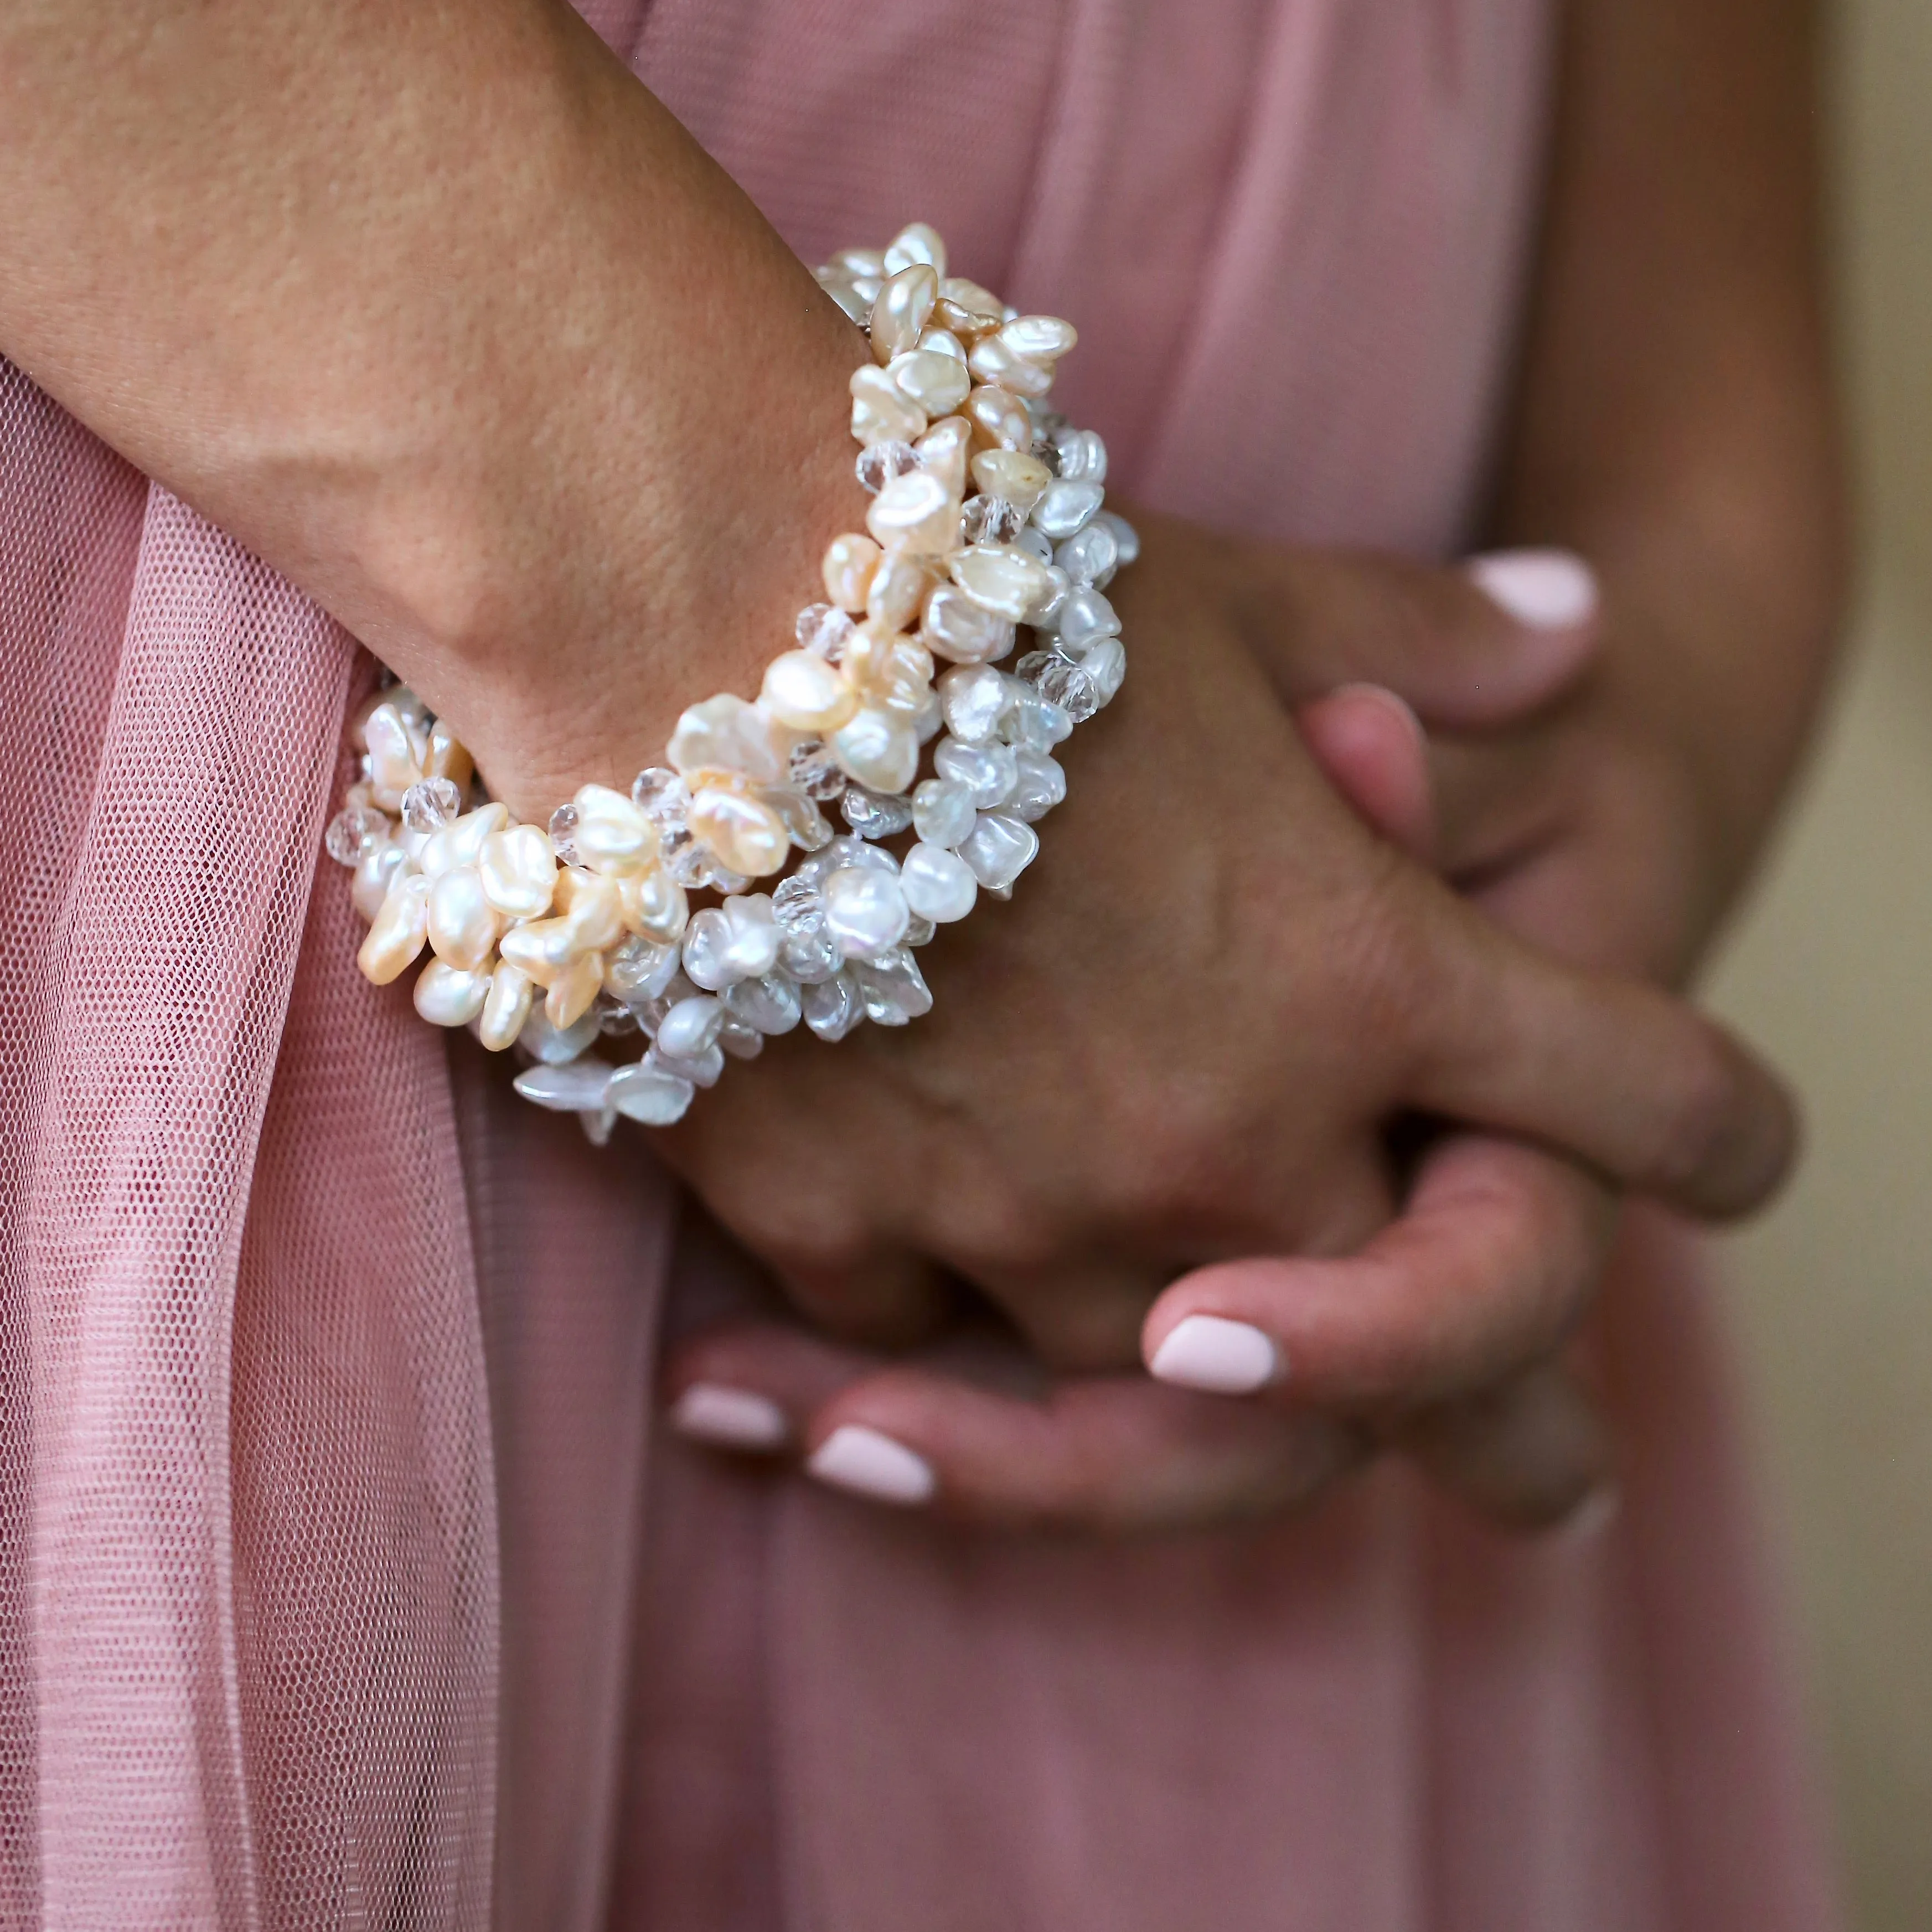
[748,837]
[612,835]
[572,991]
[506,1006]
[593,909]
[654,904]
[727,734]
[897,591]
[882,411]
[1020,477]
[1006,580]
[943,450]
[1039,338]
[915,512]
[916,241]
[400,932]
[938,383]
[879,748]
[463,923]
[802,690]
[999,418]
[904,304]
[969,307]
[850,561]
[992,362]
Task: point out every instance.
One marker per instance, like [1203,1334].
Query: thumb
[1487,643]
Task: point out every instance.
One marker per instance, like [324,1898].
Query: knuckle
[1698,1130]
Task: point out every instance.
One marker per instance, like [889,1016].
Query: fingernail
[1547,590]
[1224,1358]
[856,1458]
[730,1418]
[1592,1517]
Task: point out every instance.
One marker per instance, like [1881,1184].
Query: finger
[1530,1453]
[752,1386]
[1081,1317]
[1108,1454]
[1616,1072]
[1496,1250]
[1371,748]
[887,1296]
[1467,649]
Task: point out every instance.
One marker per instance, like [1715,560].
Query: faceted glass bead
[563,834]
[614,1019]
[798,905]
[833,1007]
[687,862]
[351,832]
[942,811]
[660,795]
[992,519]
[429,806]
[1041,785]
[1061,682]
[815,772]
[988,770]
[873,815]
[824,629]
[878,465]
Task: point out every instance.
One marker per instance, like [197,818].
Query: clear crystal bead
[873,815]
[798,905]
[825,630]
[563,834]
[614,1019]
[351,832]
[1044,450]
[815,772]
[992,520]
[429,806]
[878,465]
[660,795]
[688,860]
[1061,682]
[1033,723]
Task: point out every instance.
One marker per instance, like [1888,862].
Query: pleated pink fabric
[343,1580]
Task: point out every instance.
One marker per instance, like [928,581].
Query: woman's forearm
[1675,423]
[436,309]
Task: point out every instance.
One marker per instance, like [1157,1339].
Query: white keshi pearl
[1090,557]
[989,769]
[1085,616]
[1127,539]
[1005,581]
[943,810]
[612,834]
[740,1041]
[518,870]
[399,932]
[1106,662]
[1065,509]
[1083,456]
[640,969]
[865,911]
[915,512]
[834,1006]
[708,957]
[1044,612]
[748,837]
[556,1046]
[999,849]
[690,1027]
[937,382]
[463,924]
[893,988]
[878,747]
[937,884]
[756,934]
[701,1070]
[645,1092]
[972,698]
[447,996]
[506,1008]
[769,1003]
[579,1086]
[726,733]
[1041,785]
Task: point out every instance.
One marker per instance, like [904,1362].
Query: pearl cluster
[985,518]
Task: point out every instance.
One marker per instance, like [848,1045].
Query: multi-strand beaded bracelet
[986,517]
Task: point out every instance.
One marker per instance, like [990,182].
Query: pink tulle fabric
[343,1579]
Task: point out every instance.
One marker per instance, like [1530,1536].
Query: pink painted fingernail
[869,1464]
[1547,590]
[730,1418]
[1223,1358]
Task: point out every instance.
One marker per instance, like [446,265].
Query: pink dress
[344,1579]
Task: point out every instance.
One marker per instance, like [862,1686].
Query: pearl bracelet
[986,517]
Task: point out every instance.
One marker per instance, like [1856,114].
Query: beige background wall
[1832,968]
